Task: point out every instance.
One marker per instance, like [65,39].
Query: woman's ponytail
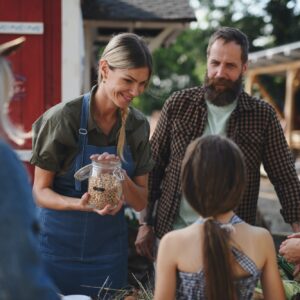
[122,133]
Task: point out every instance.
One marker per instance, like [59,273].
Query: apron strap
[82,136]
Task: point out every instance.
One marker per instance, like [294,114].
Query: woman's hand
[104,157]
[82,204]
[110,210]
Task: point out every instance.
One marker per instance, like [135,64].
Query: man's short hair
[229,34]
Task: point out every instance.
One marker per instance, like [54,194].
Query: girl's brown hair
[126,51]
[213,180]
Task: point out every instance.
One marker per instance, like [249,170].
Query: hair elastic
[226,226]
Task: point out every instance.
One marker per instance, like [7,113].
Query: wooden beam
[273,68]
[289,103]
[160,38]
[265,95]
[134,24]
[89,34]
[249,81]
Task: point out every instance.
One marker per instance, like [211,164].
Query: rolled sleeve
[53,137]
[160,147]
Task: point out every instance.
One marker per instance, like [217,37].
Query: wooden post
[289,103]
[249,81]
[88,45]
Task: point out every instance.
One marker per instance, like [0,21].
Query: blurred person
[225,256]
[84,247]
[21,273]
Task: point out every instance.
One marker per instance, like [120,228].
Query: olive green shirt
[55,137]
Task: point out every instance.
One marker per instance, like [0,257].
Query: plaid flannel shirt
[253,126]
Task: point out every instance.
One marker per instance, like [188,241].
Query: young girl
[219,256]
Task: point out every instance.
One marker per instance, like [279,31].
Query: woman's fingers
[110,210]
[85,199]
[104,156]
[82,203]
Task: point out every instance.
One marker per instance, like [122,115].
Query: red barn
[56,61]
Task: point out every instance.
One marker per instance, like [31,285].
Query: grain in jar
[105,185]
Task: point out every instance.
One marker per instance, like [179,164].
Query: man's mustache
[212,82]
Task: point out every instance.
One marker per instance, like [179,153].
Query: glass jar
[105,182]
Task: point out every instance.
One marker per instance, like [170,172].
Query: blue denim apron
[82,249]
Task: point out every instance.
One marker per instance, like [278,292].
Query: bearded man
[219,107]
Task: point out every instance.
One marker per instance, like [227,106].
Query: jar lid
[83,173]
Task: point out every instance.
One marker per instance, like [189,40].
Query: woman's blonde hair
[6,93]
[126,51]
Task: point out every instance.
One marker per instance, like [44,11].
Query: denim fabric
[21,272]
[83,250]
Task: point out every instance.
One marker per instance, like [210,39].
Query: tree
[285,21]
[176,67]
[267,23]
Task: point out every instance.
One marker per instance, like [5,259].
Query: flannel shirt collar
[245,102]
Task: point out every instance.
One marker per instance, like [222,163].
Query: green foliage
[179,66]
[285,21]
[183,63]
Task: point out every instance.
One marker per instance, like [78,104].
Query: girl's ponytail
[217,262]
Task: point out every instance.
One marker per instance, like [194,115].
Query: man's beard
[229,91]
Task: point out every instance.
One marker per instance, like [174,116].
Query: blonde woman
[21,272]
[83,247]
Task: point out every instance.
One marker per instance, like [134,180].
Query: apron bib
[83,249]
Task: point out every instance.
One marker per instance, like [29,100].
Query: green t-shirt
[217,120]
[55,137]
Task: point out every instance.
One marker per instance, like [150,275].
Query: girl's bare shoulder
[181,237]
[259,232]
[261,236]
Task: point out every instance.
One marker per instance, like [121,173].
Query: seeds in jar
[104,189]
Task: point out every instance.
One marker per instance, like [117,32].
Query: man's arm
[160,149]
[160,145]
[280,167]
